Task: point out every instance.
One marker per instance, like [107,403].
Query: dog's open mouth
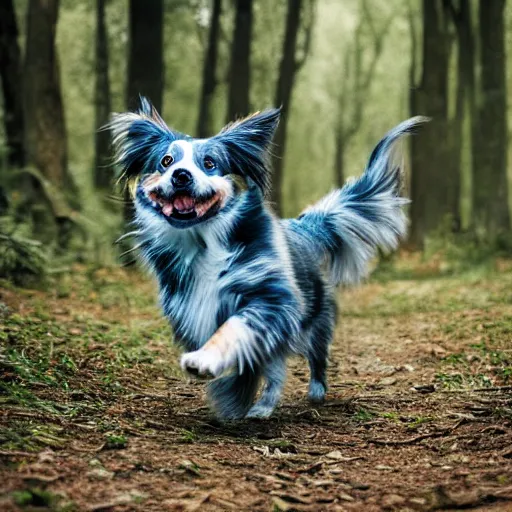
[184,206]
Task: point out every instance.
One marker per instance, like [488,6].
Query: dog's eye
[209,164]
[167,160]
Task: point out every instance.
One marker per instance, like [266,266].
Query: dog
[242,289]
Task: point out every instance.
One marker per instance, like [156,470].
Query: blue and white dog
[244,290]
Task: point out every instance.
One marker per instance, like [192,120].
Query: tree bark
[240,65]
[45,129]
[490,197]
[145,63]
[145,58]
[205,120]
[465,95]
[10,75]
[102,173]
[288,68]
[434,189]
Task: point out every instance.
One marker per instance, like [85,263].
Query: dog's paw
[206,364]
[260,411]
[316,393]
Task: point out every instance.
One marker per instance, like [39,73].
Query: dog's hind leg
[275,376]
[318,352]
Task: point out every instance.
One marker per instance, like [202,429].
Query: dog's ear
[247,143]
[139,139]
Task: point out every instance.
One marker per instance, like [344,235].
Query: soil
[95,415]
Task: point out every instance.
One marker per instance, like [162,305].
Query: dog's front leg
[219,354]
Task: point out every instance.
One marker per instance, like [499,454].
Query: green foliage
[22,259]
[116,441]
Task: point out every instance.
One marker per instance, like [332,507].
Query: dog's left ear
[247,142]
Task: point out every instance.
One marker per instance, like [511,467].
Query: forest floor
[96,416]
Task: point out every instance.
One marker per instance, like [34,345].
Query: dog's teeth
[167,209]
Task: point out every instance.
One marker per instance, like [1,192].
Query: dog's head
[184,180]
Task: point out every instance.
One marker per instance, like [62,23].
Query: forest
[95,414]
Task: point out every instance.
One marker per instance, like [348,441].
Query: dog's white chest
[195,309]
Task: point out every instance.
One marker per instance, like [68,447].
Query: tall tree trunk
[288,69]
[102,174]
[240,65]
[490,197]
[465,94]
[145,63]
[339,157]
[205,121]
[283,96]
[10,75]
[433,189]
[145,59]
[45,129]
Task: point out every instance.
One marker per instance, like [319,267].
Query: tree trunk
[434,190]
[240,65]
[10,75]
[339,158]
[45,129]
[490,198]
[102,174]
[205,121]
[145,63]
[288,68]
[145,58]
[465,95]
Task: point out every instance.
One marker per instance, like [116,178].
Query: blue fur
[246,145]
[273,278]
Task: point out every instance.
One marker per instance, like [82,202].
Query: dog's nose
[181,178]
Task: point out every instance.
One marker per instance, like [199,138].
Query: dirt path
[95,415]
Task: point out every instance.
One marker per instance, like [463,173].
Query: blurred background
[344,71]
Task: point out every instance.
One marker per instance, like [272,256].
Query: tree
[356,83]
[490,198]
[240,63]
[10,75]
[465,106]
[289,66]
[434,186]
[102,178]
[204,121]
[45,129]
[145,63]
[145,57]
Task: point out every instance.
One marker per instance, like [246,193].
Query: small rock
[359,486]
[388,381]
[418,501]
[382,467]
[94,463]
[336,455]
[424,389]
[281,505]
[433,349]
[345,497]
[100,474]
[391,501]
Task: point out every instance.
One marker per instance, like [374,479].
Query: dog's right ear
[139,138]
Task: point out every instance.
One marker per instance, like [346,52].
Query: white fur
[222,357]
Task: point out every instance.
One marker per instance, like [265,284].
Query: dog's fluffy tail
[231,397]
[349,224]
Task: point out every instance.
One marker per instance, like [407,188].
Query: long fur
[242,289]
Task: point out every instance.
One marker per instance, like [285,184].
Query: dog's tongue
[184,203]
